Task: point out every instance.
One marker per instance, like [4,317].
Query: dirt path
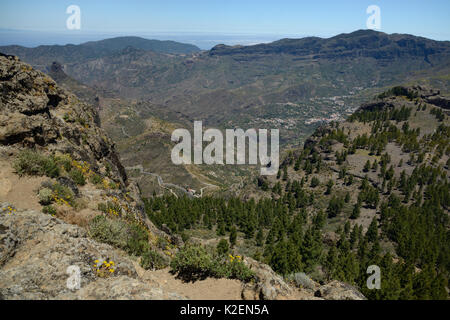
[208,289]
[19,191]
[160,180]
[169,186]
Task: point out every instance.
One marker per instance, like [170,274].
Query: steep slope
[371,190]
[68,168]
[144,141]
[380,181]
[37,113]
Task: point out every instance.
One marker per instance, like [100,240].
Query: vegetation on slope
[332,214]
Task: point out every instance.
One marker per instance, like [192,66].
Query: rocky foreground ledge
[36,249]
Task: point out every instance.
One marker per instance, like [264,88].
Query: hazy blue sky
[250,17]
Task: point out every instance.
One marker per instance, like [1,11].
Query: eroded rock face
[36,112]
[271,286]
[336,290]
[36,249]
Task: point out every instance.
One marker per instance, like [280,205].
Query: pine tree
[367,166]
[279,259]
[222,247]
[354,236]
[259,238]
[233,236]
[372,231]
[347,228]
[329,186]
[285,173]
[347,197]
[331,262]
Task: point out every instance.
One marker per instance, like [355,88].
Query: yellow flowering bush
[235,258]
[83,167]
[111,208]
[194,261]
[62,195]
[9,210]
[49,210]
[56,193]
[104,268]
[107,184]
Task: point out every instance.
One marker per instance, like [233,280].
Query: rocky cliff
[35,112]
[80,171]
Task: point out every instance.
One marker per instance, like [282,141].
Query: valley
[363,178]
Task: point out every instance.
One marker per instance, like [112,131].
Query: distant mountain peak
[367,43]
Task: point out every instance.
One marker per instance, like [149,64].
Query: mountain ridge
[394,45]
[46,54]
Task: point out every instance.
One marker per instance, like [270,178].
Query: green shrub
[36,164]
[162,243]
[110,208]
[193,262]
[113,185]
[62,194]
[96,179]
[137,243]
[238,270]
[49,210]
[113,232]
[220,269]
[222,247]
[132,238]
[77,176]
[315,182]
[64,161]
[153,260]
[45,196]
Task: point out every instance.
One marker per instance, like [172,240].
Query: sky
[223,21]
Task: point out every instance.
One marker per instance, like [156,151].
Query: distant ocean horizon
[205,41]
